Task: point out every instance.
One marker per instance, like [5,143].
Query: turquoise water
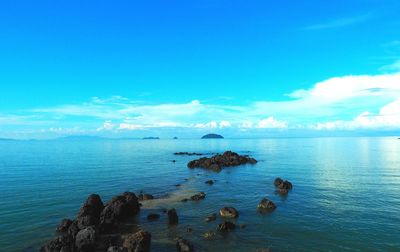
[346,194]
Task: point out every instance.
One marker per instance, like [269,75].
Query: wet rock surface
[266,205]
[218,162]
[145,196]
[229,212]
[183,245]
[199,196]
[226,226]
[138,242]
[172,217]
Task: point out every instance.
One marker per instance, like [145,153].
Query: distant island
[175,138]
[147,138]
[215,136]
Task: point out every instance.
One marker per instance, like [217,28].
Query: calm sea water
[346,194]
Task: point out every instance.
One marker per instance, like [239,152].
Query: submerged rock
[229,212]
[266,205]
[217,162]
[172,217]
[145,196]
[153,216]
[226,226]
[210,182]
[199,196]
[211,217]
[183,245]
[138,242]
[209,234]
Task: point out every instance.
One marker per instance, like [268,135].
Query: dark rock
[282,191]
[266,204]
[153,216]
[150,138]
[242,226]
[174,161]
[144,196]
[73,229]
[183,245]
[212,217]
[60,243]
[178,185]
[189,229]
[217,162]
[185,200]
[64,225]
[283,184]
[226,226]
[210,182]
[89,213]
[188,153]
[138,242]
[172,217]
[198,196]
[86,239]
[229,212]
[212,136]
[119,208]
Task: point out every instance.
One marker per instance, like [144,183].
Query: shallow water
[345,196]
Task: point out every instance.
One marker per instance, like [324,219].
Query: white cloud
[339,22]
[224,124]
[271,123]
[394,67]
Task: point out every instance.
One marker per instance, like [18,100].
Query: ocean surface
[346,194]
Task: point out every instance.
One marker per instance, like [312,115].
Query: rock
[283,191]
[89,213]
[278,182]
[144,196]
[138,242]
[172,217]
[153,216]
[185,200]
[242,226]
[198,196]
[116,249]
[229,212]
[210,182]
[183,245]
[188,153]
[212,217]
[212,136]
[150,138]
[174,161]
[189,229]
[119,208]
[64,225]
[86,239]
[209,234]
[217,162]
[178,185]
[226,226]
[60,243]
[266,204]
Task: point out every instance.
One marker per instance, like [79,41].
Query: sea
[345,196]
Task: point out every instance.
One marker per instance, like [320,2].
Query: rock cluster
[217,162]
[229,212]
[93,221]
[283,186]
[266,205]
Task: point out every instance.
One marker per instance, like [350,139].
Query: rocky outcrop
[199,196]
[210,182]
[93,220]
[218,162]
[226,226]
[229,212]
[138,242]
[172,217]
[266,205]
[283,186]
[145,196]
[185,153]
[183,245]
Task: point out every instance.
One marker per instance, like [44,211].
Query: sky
[186,68]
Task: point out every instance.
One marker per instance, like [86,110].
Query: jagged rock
[229,212]
[153,216]
[119,208]
[144,196]
[64,243]
[266,204]
[217,162]
[198,196]
[64,225]
[138,242]
[86,239]
[183,245]
[278,182]
[211,217]
[89,213]
[210,182]
[172,217]
[226,226]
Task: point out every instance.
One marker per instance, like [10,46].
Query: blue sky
[242,68]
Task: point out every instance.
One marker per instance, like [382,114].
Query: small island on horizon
[212,136]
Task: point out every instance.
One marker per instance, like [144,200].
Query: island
[212,136]
[149,138]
